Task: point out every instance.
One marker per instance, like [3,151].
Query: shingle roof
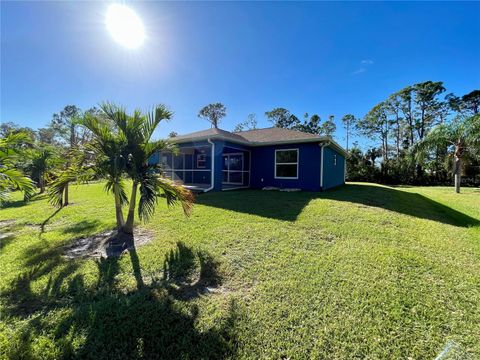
[276,134]
[266,135]
[209,133]
[257,137]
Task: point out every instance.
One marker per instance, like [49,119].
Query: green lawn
[363,271]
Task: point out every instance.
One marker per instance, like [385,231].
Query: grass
[363,271]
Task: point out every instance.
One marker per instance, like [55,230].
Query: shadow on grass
[145,323]
[82,227]
[47,220]
[188,274]
[287,206]
[269,204]
[23,202]
[402,202]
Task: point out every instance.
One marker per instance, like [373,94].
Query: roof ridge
[256,129]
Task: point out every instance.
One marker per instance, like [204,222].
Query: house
[216,159]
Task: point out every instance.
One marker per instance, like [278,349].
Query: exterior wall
[263,167]
[260,161]
[333,171]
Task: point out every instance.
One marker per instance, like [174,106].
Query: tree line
[420,136]
[279,117]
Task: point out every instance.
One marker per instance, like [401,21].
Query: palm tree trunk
[65,196]
[128,227]
[42,184]
[458,173]
[118,210]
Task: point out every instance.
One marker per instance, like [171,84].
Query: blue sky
[325,57]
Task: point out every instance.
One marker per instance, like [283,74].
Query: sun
[125,26]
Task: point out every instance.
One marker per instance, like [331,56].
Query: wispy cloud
[364,65]
[359,71]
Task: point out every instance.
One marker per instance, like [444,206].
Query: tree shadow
[188,274]
[403,202]
[47,220]
[269,204]
[81,227]
[146,323]
[287,206]
[23,202]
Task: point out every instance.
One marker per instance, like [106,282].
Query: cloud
[364,65]
[367,62]
[359,71]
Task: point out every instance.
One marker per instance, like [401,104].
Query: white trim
[321,165]
[249,167]
[291,163]
[212,171]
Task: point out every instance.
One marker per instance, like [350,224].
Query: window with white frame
[201,161]
[335,160]
[286,164]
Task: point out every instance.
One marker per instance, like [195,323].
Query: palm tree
[42,160]
[121,147]
[460,135]
[12,178]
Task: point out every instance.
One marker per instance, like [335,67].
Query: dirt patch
[106,244]
[6,223]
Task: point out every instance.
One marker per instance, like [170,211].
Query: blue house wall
[259,165]
[263,167]
[333,168]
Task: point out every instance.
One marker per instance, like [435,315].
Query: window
[286,164]
[201,161]
[334,160]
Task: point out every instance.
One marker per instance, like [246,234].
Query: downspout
[322,145]
[213,166]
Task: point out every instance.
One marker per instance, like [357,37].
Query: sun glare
[125,26]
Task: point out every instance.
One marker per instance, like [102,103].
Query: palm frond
[159,145]
[153,186]
[149,188]
[154,117]
[72,174]
[117,185]
[116,114]
[13,179]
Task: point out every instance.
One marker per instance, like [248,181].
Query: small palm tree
[121,147]
[11,178]
[461,135]
[41,161]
